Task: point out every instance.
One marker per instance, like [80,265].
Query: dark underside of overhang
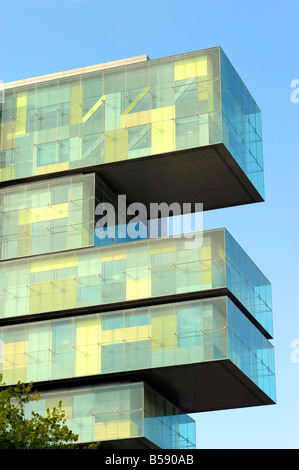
[207,175]
[206,386]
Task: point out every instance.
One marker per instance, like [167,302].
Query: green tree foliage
[37,432]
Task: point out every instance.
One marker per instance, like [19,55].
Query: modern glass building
[132,332]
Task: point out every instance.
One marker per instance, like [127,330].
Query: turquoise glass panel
[241,124]
[248,283]
[250,350]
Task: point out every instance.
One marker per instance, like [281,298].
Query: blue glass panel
[241,124]
[250,350]
[248,283]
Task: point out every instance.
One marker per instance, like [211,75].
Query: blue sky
[46,36]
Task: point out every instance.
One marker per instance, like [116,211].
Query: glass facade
[149,108]
[46,216]
[141,338]
[133,271]
[150,297]
[123,411]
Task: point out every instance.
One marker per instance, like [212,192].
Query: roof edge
[77,71]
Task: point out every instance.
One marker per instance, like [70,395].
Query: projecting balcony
[137,273]
[199,354]
[182,128]
[126,416]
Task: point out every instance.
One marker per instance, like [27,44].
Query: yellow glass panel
[115,430]
[21,113]
[116,145]
[7,173]
[147,117]
[15,374]
[137,99]
[163,137]
[53,401]
[206,257]
[203,91]
[54,263]
[136,119]
[138,289]
[88,360]
[164,328]
[88,351]
[206,253]
[87,332]
[94,108]
[24,240]
[41,214]
[112,336]
[191,67]
[15,355]
[137,333]
[8,135]
[58,295]
[41,170]
[85,237]
[14,367]
[163,114]
[118,335]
